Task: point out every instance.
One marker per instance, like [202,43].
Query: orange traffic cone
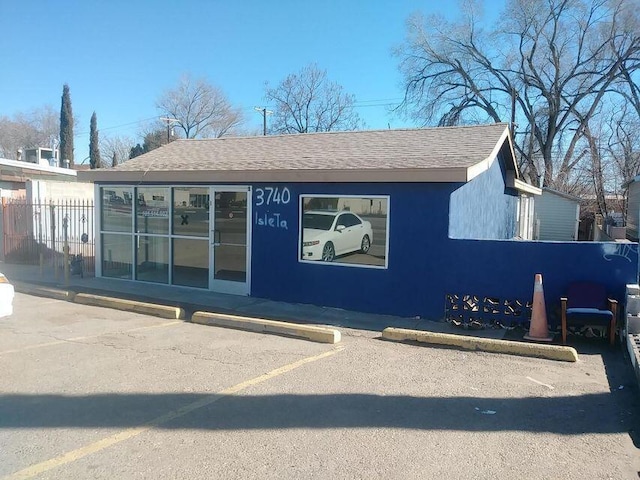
[538,330]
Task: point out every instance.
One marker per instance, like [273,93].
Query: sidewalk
[193,300]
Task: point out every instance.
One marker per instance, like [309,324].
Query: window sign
[345,230]
[152,210]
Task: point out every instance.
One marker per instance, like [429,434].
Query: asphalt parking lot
[88,392]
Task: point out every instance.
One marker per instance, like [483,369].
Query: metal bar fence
[36,233]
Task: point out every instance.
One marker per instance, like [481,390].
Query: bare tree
[12,137]
[624,148]
[199,109]
[621,143]
[116,148]
[308,101]
[546,69]
[36,128]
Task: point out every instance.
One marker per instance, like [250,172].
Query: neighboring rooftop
[19,171]
[568,196]
[446,152]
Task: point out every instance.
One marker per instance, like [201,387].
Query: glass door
[229,238]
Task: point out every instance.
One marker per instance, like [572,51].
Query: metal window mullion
[134,233]
[170,252]
[142,234]
[190,237]
[97,221]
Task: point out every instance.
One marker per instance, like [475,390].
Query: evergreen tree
[114,160]
[152,140]
[94,149]
[66,128]
[136,151]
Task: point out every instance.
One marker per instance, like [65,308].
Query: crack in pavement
[174,349]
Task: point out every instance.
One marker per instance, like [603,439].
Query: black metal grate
[477,311]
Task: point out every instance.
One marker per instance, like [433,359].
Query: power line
[114,127]
[387,100]
[379,102]
[376,105]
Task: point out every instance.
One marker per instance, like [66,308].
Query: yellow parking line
[107,442]
[78,339]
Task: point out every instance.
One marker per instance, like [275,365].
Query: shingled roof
[433,154]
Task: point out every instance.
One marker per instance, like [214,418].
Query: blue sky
[120,55]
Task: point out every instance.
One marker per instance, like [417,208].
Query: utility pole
[264,112]
[169,122]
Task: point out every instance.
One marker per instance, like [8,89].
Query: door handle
[217,238]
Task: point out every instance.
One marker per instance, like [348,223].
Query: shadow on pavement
[625,395]
[591,413]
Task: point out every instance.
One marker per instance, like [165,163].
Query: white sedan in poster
[327,234]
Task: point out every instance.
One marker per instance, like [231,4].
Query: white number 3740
[272,195]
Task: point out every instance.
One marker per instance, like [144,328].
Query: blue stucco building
[390,221]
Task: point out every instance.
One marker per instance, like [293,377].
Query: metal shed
[557,215]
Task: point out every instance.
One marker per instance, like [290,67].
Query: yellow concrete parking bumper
[47,292]
[153,309]
[551,352]
[307,332]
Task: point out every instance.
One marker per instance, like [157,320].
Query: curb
[260,325]
[550,352]
[633,347]
[54,293]
[163,311]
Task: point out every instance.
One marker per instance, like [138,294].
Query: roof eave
[568,196]
[524,187]
[25,167]
[436,175]
[481,167]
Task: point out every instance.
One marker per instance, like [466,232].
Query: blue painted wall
[483,208]
[424,265]
[506,269]
[418,226]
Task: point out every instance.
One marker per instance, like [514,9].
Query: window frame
[337,262]
[133,234]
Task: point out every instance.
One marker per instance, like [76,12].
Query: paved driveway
[88,392]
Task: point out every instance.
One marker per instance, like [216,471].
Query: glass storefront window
[191,262]
[152,210]
[163,234]
[116,208]
[230,236]
[152,259]
[191,211]
[231,263]
[117,256]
